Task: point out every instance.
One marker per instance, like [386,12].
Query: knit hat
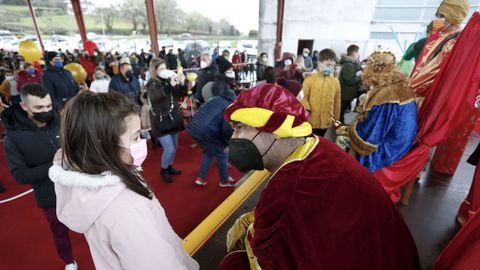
[270,108]
[52,54]
[454,11]
[292,85]
[223,64]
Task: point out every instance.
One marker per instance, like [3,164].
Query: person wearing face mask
[205,75]
[287,69]
[261,64]
[28,75]
[31,140]
[445,32]
[59,81]
[350,78]
[224,80]
[101,195]
[8,89]
[87,61]
[322,94]
[125,82]
[442,40]
[318,207]
[163,90]
[19,64]
[307,60]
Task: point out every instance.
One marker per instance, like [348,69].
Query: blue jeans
[221,164]
[169,144]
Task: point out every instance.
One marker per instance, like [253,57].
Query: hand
[181,79]
[58,155]
[174,80]
[3,104]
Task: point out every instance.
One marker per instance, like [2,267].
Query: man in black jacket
[31,141]
[349,78]
[59,81]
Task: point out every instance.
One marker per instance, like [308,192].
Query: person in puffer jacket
[212,132]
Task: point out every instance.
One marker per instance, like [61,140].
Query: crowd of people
[81,145]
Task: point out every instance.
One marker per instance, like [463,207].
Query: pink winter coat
[124,230]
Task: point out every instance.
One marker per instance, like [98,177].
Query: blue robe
[392,128]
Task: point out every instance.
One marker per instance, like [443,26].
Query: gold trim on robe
[427,70]
[392,94]
[299,154]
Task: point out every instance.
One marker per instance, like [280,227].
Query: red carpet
[26,240]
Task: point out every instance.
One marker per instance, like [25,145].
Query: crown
[381,60]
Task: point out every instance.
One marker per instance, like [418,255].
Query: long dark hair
[90,136]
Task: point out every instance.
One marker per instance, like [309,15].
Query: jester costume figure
[385,127]
[320,209]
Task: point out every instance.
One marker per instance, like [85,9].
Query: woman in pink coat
[100,194]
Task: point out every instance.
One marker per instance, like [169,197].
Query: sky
[243,14]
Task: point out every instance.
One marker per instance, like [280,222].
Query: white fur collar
[72,178]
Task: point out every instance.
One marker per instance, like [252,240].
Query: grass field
[18,20]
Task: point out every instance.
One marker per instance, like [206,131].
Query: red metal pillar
[152,26]
[278,43]
[77,10]
[34,18]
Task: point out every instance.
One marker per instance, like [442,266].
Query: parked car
[185,35]
[196,47]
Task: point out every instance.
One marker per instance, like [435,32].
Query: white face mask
[230,74]
[9,78]
[165,74]
[203,64]
[288,62]
[305,54]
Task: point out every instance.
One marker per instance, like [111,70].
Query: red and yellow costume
[448,100]
[321,209]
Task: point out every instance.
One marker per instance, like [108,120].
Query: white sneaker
[71,266]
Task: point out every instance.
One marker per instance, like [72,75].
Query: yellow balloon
[191,77]
[78,73]
[29,50]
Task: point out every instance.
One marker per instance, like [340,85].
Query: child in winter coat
[100,194]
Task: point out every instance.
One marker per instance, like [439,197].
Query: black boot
[167,177]
[173,171]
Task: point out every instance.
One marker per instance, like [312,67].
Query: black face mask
[43,117]
[244,155]
[129,74]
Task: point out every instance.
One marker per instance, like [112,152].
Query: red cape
[463,252]
[448,103]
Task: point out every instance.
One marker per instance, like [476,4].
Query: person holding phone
[163,90]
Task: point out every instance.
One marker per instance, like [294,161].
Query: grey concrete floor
[430,214]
